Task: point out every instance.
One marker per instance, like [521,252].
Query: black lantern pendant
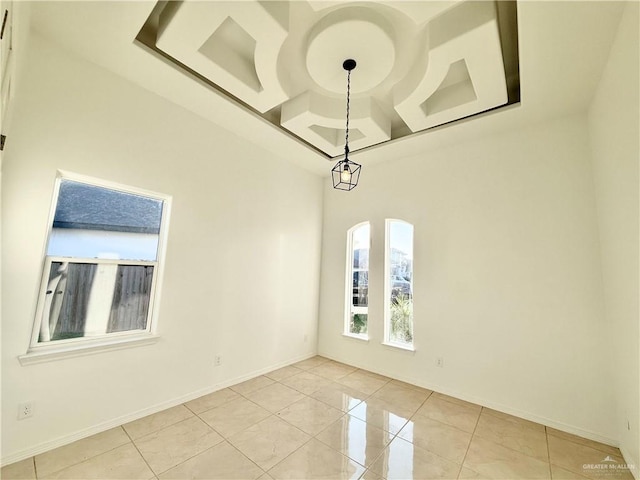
[346,173]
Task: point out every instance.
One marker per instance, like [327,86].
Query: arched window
[357,281]
[398,328]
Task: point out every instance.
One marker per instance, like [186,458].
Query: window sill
[362,338]
[399,346]
[61,352]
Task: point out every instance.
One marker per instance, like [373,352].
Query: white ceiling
[563,47]
[419,64]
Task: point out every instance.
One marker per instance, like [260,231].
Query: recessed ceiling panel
[312,116]
[419,64]
[233,44]
[463,41]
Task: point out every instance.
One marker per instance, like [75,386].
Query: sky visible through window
[361,237]
[402,234]
[402,237]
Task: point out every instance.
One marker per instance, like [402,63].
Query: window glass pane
[360,288]
[97,222]
[89,299]
[101,264]
[131,294]
[400,282]
[358,298]
[358,323]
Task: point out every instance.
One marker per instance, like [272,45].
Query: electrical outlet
[217,361]
[25,410]
[439,362]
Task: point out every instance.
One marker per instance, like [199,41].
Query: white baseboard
[116,422]
[489,404]
[634,467]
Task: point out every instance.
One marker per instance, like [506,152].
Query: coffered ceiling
[429,74]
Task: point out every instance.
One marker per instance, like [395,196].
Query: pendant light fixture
[345,174]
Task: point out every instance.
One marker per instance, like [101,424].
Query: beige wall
[507,281]
[242,264]
[615,138]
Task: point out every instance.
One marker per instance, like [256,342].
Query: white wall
[614,130]
[243,253]
[507,281]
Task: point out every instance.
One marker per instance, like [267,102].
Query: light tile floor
[323,419]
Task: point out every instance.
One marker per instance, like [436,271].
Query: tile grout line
[303,444]
[187,459]
[193,414]
[224,439]
[140,453]
[311,437]
[575,442]
[309,396]
[470,440]
[546,439]
[508,447]
[241,453]
[344,414]
[212,408]
[394,436]
[271,414]
[86,459]
[185,406]
[164,427]
[397,435]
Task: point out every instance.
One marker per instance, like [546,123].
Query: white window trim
[401,346]
[349,284]
[37,346]
[116,341]
[363,337]
[67,348]
[387,290]
[387,301]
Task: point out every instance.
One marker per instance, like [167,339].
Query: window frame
[349,271]
[387,287]
[44,351]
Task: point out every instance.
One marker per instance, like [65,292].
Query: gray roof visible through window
[91,207]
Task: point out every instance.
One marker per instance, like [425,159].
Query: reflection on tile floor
[323,419]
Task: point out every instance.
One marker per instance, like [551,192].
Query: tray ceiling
[419,64]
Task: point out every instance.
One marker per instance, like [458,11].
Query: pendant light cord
[346,137]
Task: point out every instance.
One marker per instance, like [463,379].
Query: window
[399,284]
[357,293]
[100,281]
